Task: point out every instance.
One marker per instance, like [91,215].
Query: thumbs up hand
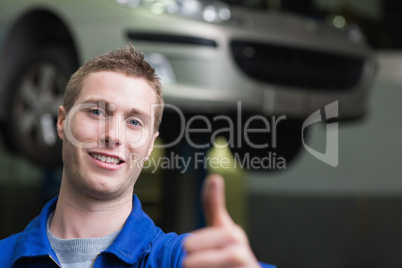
[222,243]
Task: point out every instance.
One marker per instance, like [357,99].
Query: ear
[61,120]
[151,146]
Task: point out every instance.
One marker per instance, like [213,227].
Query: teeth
[106,159]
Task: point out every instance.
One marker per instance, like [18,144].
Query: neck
[82,216]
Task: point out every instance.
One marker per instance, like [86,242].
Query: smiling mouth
[107,159]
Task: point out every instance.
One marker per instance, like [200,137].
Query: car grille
[295,67]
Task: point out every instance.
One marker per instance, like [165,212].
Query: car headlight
[162,67]
[209,11]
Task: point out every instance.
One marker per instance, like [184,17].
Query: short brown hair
[127,61]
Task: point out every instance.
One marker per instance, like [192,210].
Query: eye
[96,112]
[134,122]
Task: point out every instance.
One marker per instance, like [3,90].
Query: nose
[112,136]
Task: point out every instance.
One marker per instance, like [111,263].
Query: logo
[330,156]
[240,131]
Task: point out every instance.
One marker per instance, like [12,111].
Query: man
[108,123]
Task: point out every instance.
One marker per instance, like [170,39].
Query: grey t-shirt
[79,252]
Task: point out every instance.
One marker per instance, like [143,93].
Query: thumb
[213,195]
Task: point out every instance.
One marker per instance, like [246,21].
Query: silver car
[213,58]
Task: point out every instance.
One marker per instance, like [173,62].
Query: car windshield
[302,7]
[258,4]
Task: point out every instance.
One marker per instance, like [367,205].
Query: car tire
[282,149]
[35,92]
[283,143]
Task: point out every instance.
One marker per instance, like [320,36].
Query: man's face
[107,135]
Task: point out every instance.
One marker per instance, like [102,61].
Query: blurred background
[306,214]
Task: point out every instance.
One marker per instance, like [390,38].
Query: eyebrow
[132,111]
